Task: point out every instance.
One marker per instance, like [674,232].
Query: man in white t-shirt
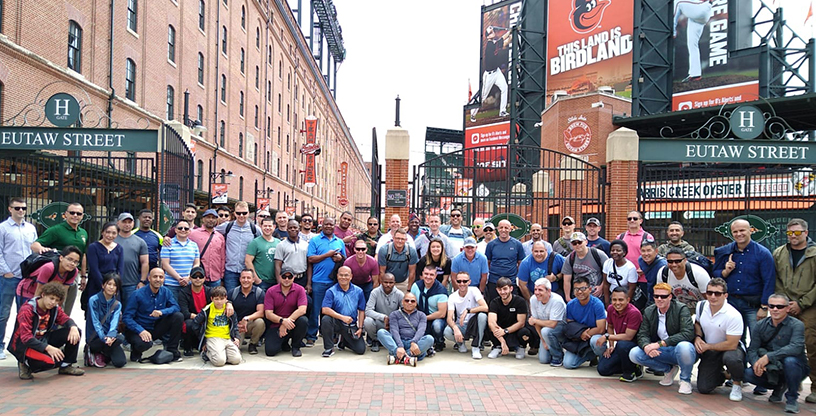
[547,313]
[688,280]
[467,315]
[717,334]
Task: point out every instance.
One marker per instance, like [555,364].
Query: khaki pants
[70,297]
[221,351]
[808,317]
[403,286]
[255,331]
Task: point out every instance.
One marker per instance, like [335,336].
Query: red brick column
[622,175]
[397,152]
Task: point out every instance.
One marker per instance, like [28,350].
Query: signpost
[396,198]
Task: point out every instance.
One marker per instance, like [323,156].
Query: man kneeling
[219,332]
[407,330]
[41,331]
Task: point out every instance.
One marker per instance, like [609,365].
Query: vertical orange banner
[309,148]
[343,198]
[263,204]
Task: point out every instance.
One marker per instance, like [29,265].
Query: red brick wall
[396,177]
[621,194]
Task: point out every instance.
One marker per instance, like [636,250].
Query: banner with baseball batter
[310,148]
[704,74]
[589,45]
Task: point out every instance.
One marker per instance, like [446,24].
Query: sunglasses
[714,293]
[263,216]
[789,233]
[224,215]
[456,215]
[632,218]
[183,228]
[489,230]
[24,208]
[582,289]
[656,296]
[463,281]
[287,276]
[198,276]
[360,249]
[771,306]
[409,301]
[242,213]
[306,220]
[576,243]
[75,213]
[567,223]
[677,261]
[373,223]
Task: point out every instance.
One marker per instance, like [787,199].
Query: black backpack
[702,261]
[665,275]
[34,261]
[592,250]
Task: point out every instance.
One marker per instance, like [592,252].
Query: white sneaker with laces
[494,353]
[477,355]
[668,378]
[685,387]
[519,353]
[736,393]
[462,348]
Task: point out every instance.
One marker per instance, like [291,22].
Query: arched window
[241,145]
[222,134]
[171,43]
[241,188]
[223,88]
[130,79]
[200,177]
[258,37]
[132,12]
[241,104]
[257,77]
[224,40]
[243,60]
[201,12]
[243,17]
[74,46]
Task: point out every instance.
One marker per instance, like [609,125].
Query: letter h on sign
[61,107]
[746,116]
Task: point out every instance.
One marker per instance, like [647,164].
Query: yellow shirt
[217,323]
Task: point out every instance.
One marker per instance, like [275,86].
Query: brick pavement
[211,392]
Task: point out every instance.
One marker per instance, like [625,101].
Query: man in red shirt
[216,252]
[285,309]
[622,324]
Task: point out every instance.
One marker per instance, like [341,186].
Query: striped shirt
[182,256]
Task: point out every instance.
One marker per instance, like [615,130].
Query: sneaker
[503,114]
[71,371]
[439,346]
[391,359]
[477,353]
[188,352]
[554,362]
[328,353]
[410,361]
[431,352]
[729,383]
[654,373]
[811,398]
[126,346]
[310,343]
[593,362]
[519,353]
[776,395]
[24,371]
[638,371]
[685,387]
[472,119]
[252,348]
[792,407]
[691,78]
[296,352]
[2,354]
[668,379]
[494,353]
[135,356]
[628,378]
[736,393]
[375,346]
[462,348]
[177,357]
[532,351]
[759,390]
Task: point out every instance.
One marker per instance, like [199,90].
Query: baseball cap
[125,216]
[489,225]
[470,242]
[287,269]
[578,236]
[593,220]
[572,220]
[210,211]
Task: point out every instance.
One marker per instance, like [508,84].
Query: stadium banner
[310,178]
[219,193]
[589,45]
[486,151]
[342,199]
[704,74]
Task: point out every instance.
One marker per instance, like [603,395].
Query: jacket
[797,281]
[678,325]
[404,326]
[143,302]
[98,307]
[24,336]
[185,300]
[572,338]
[445,229]
[201,320]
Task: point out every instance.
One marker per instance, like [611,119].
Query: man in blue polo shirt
[473,263]
[503,255]
[325,251]
[538,265]
[343,313]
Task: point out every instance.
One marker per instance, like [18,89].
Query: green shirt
[264,262]
[63,235]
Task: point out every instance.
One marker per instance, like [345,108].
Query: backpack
[231,223]
[702,261]
[592,250]
[689,274]
[34,261]
[391,251]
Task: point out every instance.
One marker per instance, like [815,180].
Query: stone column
[622,172]
[397,152]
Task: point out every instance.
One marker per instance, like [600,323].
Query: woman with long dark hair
[104,256]
[436,257]
[104,314]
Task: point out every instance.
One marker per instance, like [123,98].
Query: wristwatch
[280,321]
[506,332]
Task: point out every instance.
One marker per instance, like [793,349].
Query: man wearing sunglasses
[634,235]
[562,245]
[307,224]
[179,259]
[796,278]
[585,262]
[66,233]
[285,307]
[237,234]
[777,354]
[488,235]
[371,235]
[406,338]
[478,229]
[16,235]
[717,334]
[665,339]
[688,280]
[224,214]
[467,316]
[212,244]
[456,232]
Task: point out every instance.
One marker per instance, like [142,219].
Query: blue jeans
[552,336]
[367,288]
[794,371]
[318,293]
[437,330]
[478,337]
[573,361]
[231,280]
[8,288]
[385,338]
[265,285]
[214,283]
[125,295]
[175,290]
[618,362]
[748,312]
[682,354]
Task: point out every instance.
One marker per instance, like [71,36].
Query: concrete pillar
[541,201]
[397,153]
[572,174]
[622,171]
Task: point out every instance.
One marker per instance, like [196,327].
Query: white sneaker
[477,355]
[494,353]
[736,393]
[668,379]
[685,387]
[519,353]
[462,348]
[2,354]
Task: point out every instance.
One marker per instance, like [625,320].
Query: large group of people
[627,306]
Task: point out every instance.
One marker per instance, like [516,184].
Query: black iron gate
[491,180]
[705,197]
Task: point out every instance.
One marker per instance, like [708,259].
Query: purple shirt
[284,305]
[361,275]
[343,234]
[629,319]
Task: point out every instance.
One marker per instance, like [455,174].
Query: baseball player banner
[589,45]
[310,177]
[262,204]
[219,193]
[704,74]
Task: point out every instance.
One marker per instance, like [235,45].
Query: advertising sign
[219,193]
[704,74]
[589,44]
[343,198]
[578,134]
[491,162]
[311,140]
[263,204]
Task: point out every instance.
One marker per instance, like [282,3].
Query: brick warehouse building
[248,70]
